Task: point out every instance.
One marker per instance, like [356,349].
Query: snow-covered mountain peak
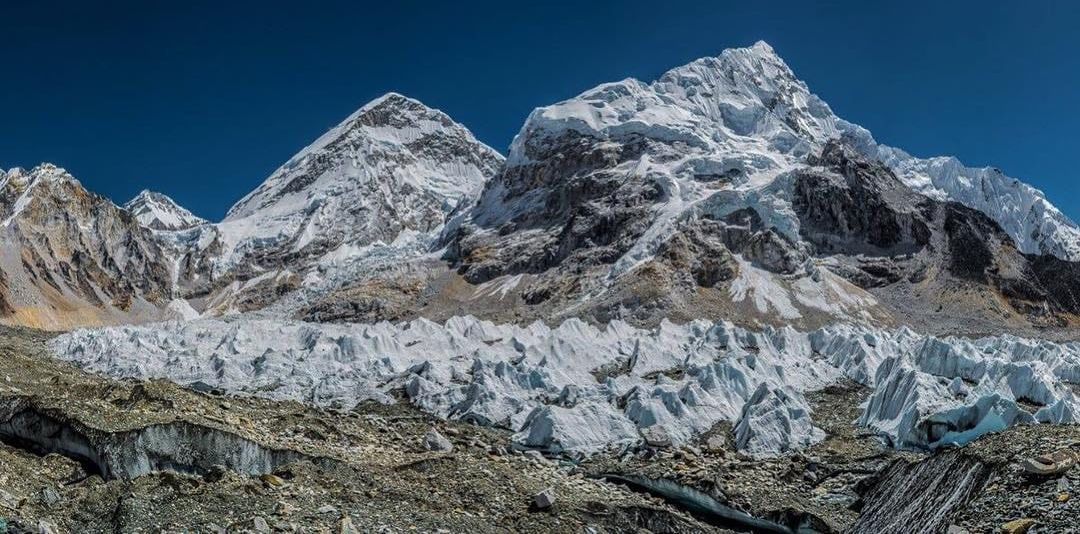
[14,171]
[391,118]
[762,47]
[744,100]
[759,60]
[18,188]
[745,116]
[159,212]
[390,123]
[44,172]
[394,165]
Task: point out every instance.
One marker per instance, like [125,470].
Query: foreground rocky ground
[82,453]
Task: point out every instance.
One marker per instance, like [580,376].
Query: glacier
[388,184]
[580,389]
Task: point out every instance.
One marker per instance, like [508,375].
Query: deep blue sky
[202,100]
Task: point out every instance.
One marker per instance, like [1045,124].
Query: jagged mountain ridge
[1023,211]
[634,184]
[71,257]
[629,191]
[388,177]
[745,114]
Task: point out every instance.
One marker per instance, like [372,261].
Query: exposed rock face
[922,496]
[698,248]
[857,206]
[883,234]
[730,160]
[567,202]
[979,251]
[71,257]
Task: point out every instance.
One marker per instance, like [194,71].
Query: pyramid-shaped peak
[159,212]
[763,48]
[396,110]
[760,58]
[147,195]
[392,118]
[394,99]
[392,150]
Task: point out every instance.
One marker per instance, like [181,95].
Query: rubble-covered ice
[584,388]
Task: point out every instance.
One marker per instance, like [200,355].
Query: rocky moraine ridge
[706,301]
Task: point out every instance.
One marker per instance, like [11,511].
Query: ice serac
[159,212]
[392,168]
[72,258]
[582,388]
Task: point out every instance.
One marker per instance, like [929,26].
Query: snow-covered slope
[1036,225]
[382,183]
[394,165]
[732,123]
[159,212]
[376,190]
[582,388]
[720,164]
[742,120]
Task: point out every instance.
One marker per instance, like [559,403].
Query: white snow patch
[764,289]
[181,309]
